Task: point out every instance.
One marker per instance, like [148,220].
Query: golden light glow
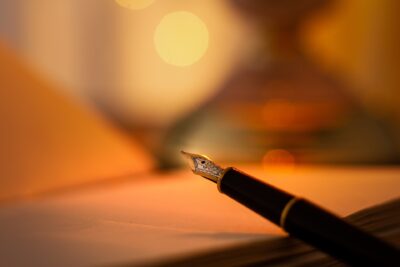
[134,4]
[278,159]
[181,38]
[149,90]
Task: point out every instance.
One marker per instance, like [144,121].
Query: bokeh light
[278,159]
[134,4]
[181,38]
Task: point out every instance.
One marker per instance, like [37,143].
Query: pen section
[262,198]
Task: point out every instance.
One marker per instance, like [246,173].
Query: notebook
[159,217]
[381,220]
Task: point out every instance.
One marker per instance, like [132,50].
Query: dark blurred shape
[278,12]
[281,101]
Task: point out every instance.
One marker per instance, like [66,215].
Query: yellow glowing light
[181,38]
[134,4]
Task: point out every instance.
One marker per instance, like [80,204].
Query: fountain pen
[298,217]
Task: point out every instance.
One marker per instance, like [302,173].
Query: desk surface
[168,215]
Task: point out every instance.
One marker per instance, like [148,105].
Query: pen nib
[204,166]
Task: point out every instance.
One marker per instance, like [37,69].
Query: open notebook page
[163,216]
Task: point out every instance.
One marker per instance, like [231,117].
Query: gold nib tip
[204,166]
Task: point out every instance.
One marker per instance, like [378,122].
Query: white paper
[163,216]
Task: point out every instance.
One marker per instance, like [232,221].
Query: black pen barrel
[262,198]
[338,238]
[308,222]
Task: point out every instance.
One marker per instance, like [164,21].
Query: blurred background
[267,82]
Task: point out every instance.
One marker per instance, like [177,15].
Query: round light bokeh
[181,38]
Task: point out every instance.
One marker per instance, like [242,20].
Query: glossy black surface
[262,198]
[338,238]
[310,223]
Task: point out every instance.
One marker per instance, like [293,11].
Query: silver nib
[204,166]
